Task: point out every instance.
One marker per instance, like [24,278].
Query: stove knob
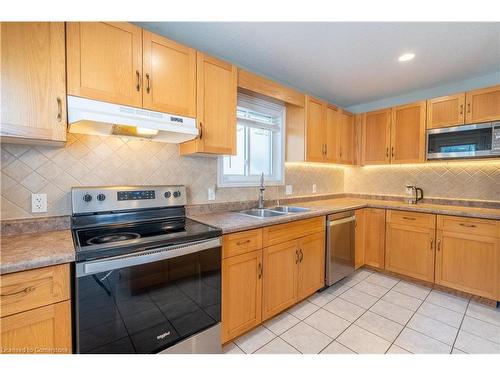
[101,197]
[177,194]
[87,197]
[168,194]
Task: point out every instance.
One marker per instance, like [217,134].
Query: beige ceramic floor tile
[441,314]
[337,348]
[448,301]
[362,341]
[418,343]
[482,329]
[433,328]
[395,313]
[303,309]
[344,309]
[281,323]
[359,298]
[412,290]
[306,339]
[371,289]
[277,346]
[254,339]
[382,280]
[337,289]
[394,349]
[402,300]
[321,299]
[232,348]
[486,313]
[473,344]
[377,324]
[328,323]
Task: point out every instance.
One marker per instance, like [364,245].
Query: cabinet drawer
[416,219]
[280,233]
[241,242]
[27,290]
[480,227]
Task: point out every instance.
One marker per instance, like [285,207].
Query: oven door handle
[145,256]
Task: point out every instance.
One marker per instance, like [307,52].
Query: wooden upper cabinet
[33,86]
[315,129]
[105,61]
[408,133]
[446,111]
[169,79]
[376,137]
[346,142]
[333,119]
[216,108]
[483,105]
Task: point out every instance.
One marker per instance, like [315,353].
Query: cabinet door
[46,330]
[446,111]
[468,262]
[483,105]
[241,294]
[376,137]
[33,87]
[359,239]
[315,129]
[280,278]
[169,78]
[311,264]
[374,237]
[216,95]
[333,122]
[408,133]
[409,251]
[105,61]
[346,149]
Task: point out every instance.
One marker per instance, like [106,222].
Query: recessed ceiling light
[406,57]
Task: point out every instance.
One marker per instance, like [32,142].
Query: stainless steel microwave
[464,141]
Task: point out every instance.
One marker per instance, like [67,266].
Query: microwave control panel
[495,139]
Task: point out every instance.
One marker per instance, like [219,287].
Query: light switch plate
[38,203]
[314,188]
[288,190]
[211,193]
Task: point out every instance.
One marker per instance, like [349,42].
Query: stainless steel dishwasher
[340,244]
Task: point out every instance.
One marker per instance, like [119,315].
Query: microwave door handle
[145,256]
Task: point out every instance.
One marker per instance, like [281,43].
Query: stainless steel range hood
[86,116]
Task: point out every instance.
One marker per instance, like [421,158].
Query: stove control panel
[95,199]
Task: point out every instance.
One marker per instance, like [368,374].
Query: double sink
[273,211]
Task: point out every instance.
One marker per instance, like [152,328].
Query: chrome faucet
[261,192]
[415,196]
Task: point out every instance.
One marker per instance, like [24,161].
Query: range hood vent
[87,116]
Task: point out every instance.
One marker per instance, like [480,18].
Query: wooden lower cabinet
[410,251]
[242,293]
[280,277]
[45,330]
[467,261]
[359,251]
[374,237]
[311,276]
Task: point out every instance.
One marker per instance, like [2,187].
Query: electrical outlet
[288,190]
[314,188]
[211,193]
[38,203]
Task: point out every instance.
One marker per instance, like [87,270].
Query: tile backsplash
[460,180]
[92,160]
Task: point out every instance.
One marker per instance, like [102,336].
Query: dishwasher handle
[341,221]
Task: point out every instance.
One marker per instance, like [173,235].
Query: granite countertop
[34,250]
[231,222]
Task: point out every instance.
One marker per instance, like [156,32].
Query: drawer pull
[260,270]
[239,243]
[432,244]
[301,255]
[408,218]
[439,245]
[296,256]
[28,289]
[468,225]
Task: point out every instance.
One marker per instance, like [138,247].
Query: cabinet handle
[138,85]
[387,152]
[301,255]
[439,245]
[260,270]
[432,243]
[340,151]
[461,109]
[28,289]
[468,225]
[242,242]
[468,107]
[59,109]
[296,256]
[148,87]
[392,152]
[408,218]
[201,130]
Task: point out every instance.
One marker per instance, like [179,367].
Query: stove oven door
[149,301]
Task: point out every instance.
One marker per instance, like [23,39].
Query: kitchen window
[259,144]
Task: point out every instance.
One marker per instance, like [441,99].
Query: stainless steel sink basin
[289,209]
[261,213]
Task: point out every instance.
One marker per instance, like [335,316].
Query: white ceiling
[348,63]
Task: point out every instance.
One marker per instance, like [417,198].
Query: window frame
[277,177]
